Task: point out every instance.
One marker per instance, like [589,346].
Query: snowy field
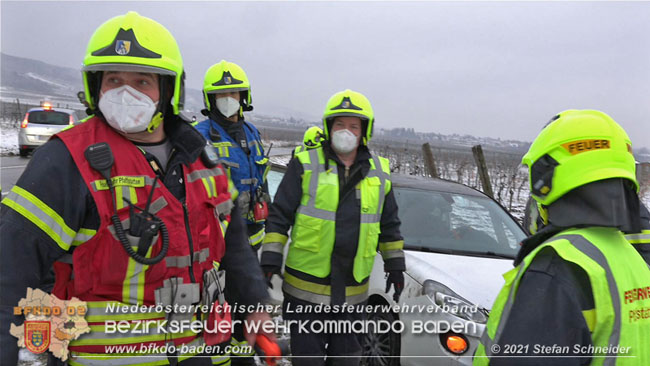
[8,138]
[509,190]
[509,179]
[26,358]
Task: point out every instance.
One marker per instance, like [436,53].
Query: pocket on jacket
[372,240]
[306,233]
[372,194]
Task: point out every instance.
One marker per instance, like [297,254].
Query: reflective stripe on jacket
[619,280]
[248,172]
[642,237]
[103,271]
[313,232]
[641,241]
[299,149]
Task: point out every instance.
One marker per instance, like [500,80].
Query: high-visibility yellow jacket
[313,234]
[620,284]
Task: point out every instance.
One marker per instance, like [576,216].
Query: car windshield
[452,222]
[49,118]
[449,222]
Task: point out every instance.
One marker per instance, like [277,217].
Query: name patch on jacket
[121,180]
[637,294]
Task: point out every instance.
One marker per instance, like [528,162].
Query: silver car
[40,124]
[458,242]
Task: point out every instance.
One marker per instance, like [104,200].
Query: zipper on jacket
[171,157]
[189,239]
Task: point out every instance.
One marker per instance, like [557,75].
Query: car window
[273,179]
[454,222]
[49,118]
[443,221]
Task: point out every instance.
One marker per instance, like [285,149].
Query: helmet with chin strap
[576,148]
[353,104]
[225,77]
[133,43]
[312,137]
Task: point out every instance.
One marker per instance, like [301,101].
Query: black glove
[271,264]
[396,278]
[268,271]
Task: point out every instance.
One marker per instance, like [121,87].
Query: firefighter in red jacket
[132,206]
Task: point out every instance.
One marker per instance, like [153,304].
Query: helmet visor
[128,68]
[223,91]
[347,114]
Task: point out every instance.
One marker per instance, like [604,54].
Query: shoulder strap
[250,127]
[215,135]
[255,132]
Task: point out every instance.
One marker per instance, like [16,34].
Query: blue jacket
[247,171]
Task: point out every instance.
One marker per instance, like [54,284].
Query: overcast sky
[497,69]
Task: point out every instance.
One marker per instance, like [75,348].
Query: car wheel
[378,346]
[23,152]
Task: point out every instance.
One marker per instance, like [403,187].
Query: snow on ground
[35,99]
[42,79]
[9,146]
[278,143]
[519,195]
[8,137]
[26,358]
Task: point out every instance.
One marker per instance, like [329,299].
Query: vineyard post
[429,160]
[19,113]
[479,158]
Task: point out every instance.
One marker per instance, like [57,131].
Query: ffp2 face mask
[228,106]
[127,109]
[344,141]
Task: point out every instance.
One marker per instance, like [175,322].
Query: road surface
[11,167]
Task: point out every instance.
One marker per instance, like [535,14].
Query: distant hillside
[30,79]
[33,81]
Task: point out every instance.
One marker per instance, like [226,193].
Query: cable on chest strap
[143,225]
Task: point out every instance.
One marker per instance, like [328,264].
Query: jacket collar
[186,140]
[608,203]
[529,244]
[363,154]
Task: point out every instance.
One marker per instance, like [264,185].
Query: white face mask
[228,106]
[344,141]
[126,109]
